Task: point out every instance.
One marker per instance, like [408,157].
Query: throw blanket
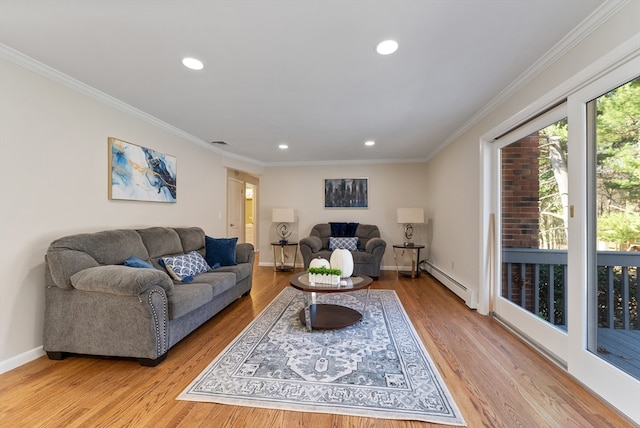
[343,229]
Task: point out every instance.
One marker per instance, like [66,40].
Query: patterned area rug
[375,368]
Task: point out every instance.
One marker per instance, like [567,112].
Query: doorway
[250,213]
[242,206]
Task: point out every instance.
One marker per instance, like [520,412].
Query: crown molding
[44,70]
[591,23]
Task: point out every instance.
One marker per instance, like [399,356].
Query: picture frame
[346,193]
[138,173]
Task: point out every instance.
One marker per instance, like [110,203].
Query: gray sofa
[95,305]
[366,260]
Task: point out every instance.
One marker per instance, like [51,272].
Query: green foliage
[324,271]
[618,164]
[617,170]
[619,227]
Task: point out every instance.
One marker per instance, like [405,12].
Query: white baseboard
[469,296]
[21,359]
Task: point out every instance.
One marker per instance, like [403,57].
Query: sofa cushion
[219,281]
[350,244]
[241,270]
[184,267]
[220,250]
[71,254]
[120,280]
[161,241]
[187,297]
[192,239]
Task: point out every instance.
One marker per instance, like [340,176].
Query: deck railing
[536,279]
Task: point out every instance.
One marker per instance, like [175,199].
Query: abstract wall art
[346,193]
[137,173]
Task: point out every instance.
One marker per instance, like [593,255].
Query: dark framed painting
[137,173]
[346,193]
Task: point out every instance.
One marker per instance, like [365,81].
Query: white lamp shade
[283,215]
[343,260]
[410,215]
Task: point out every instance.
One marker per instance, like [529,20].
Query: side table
[284,247]
[415,259]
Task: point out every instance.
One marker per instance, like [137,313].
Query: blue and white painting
[141,174]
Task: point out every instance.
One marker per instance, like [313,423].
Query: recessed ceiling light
[193,63]
[369,143]
[283,146]
[387,47]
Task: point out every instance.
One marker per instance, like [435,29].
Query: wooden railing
[537,280]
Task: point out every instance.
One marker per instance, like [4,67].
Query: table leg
[395,259]
[310,300]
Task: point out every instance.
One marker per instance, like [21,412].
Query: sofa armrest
[313,242]
[374,243]
[244,253]
[121,280]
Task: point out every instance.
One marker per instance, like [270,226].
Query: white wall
[53,181]
[391,186]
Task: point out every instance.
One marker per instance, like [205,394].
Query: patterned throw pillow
[350,244]
[185,267]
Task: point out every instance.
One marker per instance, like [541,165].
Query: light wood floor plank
[496,380]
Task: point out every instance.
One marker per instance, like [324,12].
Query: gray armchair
[366,260]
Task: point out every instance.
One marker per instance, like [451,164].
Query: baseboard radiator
[469,296]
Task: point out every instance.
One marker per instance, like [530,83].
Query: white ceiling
[301,72]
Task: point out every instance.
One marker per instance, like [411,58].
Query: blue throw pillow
[137,262]
[341,230]
[220,250]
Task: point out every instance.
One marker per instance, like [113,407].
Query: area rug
[375,368]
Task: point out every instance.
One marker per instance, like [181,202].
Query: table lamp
[283,216]
[408,217]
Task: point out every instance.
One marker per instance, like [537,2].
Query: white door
[235,209]
[594,268]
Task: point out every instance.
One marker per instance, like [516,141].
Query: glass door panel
[613,132]
[534,212]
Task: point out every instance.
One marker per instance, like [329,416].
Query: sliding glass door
[605,355]
[613,135]
[564,230]
[533,211]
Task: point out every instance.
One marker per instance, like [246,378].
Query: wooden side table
[415,259]
[283,248]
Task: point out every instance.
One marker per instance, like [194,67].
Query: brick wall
[520,211]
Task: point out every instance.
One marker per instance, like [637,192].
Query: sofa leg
[56,355]
[246,294]
[148,362]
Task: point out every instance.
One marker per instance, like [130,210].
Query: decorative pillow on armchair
[350,244]
[185,267]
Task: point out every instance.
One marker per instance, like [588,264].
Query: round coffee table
[328,316]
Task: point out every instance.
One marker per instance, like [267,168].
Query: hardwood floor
[496,380]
